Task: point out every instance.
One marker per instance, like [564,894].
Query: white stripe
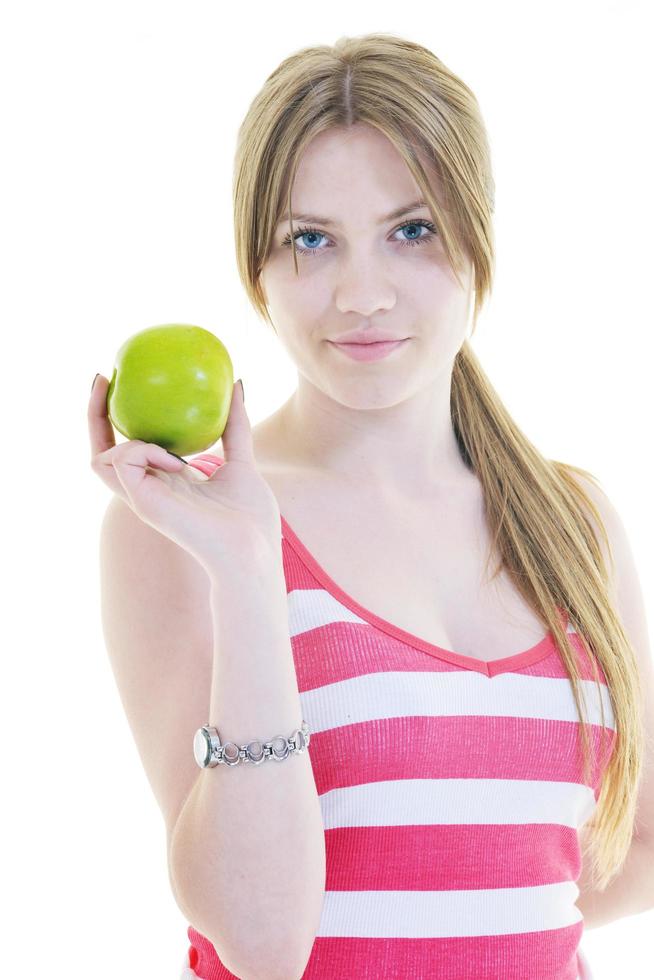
[403,802]
[394,694]
[439,914]
[310,608]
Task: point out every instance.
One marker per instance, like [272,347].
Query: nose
[364,287]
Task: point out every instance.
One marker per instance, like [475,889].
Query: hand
[214,519]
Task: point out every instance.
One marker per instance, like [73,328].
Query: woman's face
[359,269]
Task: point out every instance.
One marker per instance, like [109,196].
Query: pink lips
[369,352]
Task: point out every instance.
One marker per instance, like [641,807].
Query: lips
[369,351]
[367,337]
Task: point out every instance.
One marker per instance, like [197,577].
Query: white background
[118,129]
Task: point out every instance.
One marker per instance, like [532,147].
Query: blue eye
[305,232]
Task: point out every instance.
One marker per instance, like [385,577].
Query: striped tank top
[451,793]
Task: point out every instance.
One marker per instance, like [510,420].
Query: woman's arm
[629,601]
[246,849]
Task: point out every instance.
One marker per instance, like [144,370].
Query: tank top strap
[207,463]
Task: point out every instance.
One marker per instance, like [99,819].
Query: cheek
[442,309]
[302,300]
[430,292]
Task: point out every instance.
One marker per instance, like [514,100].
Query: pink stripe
[361,648]
[186,972]
[506,750]
[443,857]
[213,460]
[204,960]
[205,468]
[512,957]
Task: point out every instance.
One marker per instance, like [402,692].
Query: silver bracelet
[209,751]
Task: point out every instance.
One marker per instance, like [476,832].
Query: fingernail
[240,381]
[177,457]
[94,380]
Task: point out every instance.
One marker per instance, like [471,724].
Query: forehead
[355,171]
[403,209]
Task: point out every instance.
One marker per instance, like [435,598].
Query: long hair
[536,510]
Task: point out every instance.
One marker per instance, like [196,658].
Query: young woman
[475,738]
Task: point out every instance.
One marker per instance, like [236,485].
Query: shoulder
[606,522]
[629,602]
[616,547]
[624,580]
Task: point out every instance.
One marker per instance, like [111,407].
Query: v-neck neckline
[545,647]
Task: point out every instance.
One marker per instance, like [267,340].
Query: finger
[237,437]
[131,463]
[101,431]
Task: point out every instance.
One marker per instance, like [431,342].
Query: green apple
[172,384]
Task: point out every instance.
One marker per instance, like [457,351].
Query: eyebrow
[413,206]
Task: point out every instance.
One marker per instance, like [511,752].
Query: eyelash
[304,230]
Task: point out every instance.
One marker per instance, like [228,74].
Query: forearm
[630,893]
[248,855]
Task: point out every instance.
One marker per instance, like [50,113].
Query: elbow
[268,973]
[277,966]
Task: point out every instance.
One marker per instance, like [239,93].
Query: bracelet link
[254,752]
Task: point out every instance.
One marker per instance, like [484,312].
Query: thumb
[237,436]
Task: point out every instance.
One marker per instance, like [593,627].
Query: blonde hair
[535,508]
